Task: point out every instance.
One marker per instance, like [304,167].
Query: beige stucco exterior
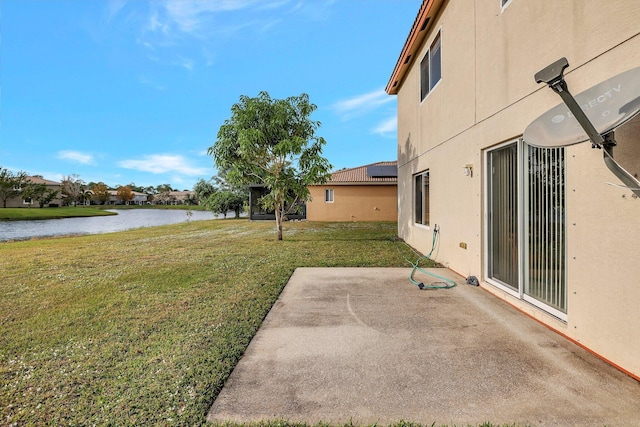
[487,96]
[19,202]
[354,203]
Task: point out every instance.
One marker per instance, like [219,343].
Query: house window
[526,224]
[328,195]
[421,198]
[431,68]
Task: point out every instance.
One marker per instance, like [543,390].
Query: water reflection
[125,220]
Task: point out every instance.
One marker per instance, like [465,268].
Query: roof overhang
[355,183]
[419,30]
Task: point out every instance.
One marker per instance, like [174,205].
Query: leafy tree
[150,191]
[222,184]
[85,194]
[125,194]
[10,184]
[136,188]
[222,202]
[73,188]
[30,190]
[272,142]
[101,193]
[203,190]
[162,197]
[190,199]
[39,193]
[47,197]
[162,194]
[163,188]
[239,194]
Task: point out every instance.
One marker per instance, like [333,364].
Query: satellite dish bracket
[553,75]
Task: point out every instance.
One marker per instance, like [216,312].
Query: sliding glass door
[545,265]
[526,250]
[503,216]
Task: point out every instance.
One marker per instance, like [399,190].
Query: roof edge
[428,10]
[364,166]
[355,183]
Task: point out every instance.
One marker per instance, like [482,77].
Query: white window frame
[521,227]
[328,195]
[487,230]
[436,45]
[414,199]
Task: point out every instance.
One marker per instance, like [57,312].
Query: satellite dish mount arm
[553,75]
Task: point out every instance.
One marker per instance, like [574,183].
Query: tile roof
[40,180]
[359,174]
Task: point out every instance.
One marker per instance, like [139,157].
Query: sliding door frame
[523,247]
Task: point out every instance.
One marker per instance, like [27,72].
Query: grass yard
[13,214]
[144,326]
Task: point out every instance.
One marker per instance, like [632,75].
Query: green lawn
[144,326]
[13,214]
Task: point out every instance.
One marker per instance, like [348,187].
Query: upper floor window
[431,68]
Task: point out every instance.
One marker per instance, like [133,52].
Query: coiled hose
[444,282]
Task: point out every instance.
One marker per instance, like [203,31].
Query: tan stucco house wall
[482,103]
[19,202]
[354,203]
[353,195]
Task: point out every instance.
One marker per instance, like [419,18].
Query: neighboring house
[180,197]
[365,193]
[19,202]
[139,198]
[113,198]
[541,228]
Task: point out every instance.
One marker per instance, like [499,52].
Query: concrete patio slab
[363,345]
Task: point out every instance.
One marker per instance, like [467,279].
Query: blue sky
[124,91]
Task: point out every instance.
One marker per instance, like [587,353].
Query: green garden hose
[444,283]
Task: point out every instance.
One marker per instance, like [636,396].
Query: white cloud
[151,83]
[185,62]
[114,7]
[76,156]
[387,127]
[156,24]
[146,44]
[164,29]
[164,163]
[188,14]
[169,27]
[314,10]
[361,104]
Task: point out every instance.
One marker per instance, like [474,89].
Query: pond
[126,219]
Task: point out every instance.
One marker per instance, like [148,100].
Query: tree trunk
[279,223]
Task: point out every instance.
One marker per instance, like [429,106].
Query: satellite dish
[607,105]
